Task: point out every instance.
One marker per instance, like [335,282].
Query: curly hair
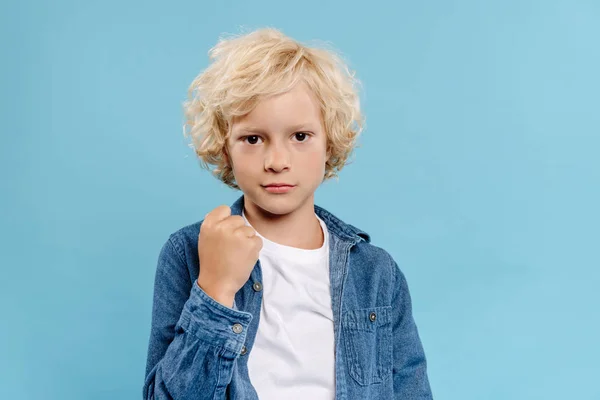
[247,68]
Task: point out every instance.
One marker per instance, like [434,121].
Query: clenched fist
[228,250]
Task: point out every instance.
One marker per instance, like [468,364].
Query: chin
[276,204]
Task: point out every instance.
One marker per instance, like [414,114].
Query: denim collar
[334,224]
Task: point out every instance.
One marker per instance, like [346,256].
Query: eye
[301,136]
[253,138]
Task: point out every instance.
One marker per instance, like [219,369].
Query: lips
[281,189]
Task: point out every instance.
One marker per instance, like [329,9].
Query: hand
[228,250]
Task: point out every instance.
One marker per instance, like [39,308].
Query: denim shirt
[198,348]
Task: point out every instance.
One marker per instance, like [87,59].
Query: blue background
[478,171]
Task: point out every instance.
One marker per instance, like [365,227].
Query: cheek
[241,161]
[247,167]
[315,161]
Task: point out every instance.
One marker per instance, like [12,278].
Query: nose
[277,158]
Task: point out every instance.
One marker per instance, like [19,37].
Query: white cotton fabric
[293,354]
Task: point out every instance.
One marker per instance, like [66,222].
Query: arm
[192,347]
[410,364]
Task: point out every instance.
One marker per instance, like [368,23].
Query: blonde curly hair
[247,68]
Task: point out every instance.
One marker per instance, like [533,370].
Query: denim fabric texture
[198,348]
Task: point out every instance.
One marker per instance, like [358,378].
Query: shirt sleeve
[194,340]
[409,361]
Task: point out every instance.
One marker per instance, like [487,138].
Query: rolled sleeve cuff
[211,321]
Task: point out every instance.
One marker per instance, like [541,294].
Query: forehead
[295,108]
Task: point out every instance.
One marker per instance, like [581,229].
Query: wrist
[219,296]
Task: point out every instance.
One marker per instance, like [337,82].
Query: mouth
[279,188]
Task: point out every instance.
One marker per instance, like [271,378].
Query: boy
[276,297]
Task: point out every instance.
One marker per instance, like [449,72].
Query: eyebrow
[251,129]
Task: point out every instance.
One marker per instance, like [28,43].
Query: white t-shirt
[293,353]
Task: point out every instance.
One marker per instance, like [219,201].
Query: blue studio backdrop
[478,171]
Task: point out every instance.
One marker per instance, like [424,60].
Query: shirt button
[237,328]
[372,316]
[257,287]
[244,350]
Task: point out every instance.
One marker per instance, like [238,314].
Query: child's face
[281,141]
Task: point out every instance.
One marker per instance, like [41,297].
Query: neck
[299,228]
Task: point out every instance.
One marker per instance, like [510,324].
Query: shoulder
[373,257]
[372,252]
[187,234]
[182,245]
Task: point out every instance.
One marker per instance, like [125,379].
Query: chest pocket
[367,337]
